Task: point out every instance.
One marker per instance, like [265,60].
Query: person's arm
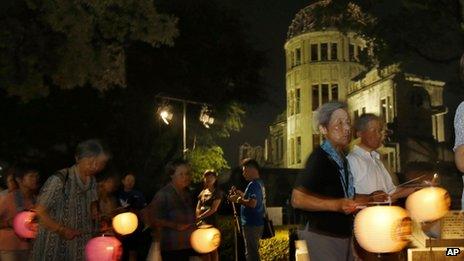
[459,137]
[214,208]
[247,202]
[459,158]
[50,224]
[198,210]
[51,192]
[4,221]
[311,202]
[158,207]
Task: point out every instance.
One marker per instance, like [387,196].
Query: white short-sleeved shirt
[459,134]
[369,172]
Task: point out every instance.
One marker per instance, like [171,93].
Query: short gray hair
[363,120]
[91,148]
[325,111]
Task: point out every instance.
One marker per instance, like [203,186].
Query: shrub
[276,248]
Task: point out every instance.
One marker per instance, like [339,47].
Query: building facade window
[315,96]
[351,52]
[314,53]
[383,109]
[291,103]
[292,151]
[325,93]
[297,101]
[358,55]
[333,52]
[292,59]
[386,109]
[324,52]
[298,149]
[297,56]
[334,91]
[355,115]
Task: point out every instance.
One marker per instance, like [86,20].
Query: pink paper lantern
[103,249]
[24,225]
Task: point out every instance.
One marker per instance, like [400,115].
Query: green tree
[206,158]
[211,61]
[72,43]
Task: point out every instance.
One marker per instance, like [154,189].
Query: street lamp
[165,113]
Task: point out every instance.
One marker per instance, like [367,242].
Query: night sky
[267,23]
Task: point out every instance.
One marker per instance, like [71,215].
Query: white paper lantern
[125,223]
[382,229]
[205,239]
[428,204]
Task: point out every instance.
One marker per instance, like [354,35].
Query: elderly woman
[67,205]
[172,213]
[324,191]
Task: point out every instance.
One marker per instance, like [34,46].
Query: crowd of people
[72,205]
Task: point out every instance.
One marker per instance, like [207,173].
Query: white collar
[364,153]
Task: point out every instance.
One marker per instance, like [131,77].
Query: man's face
[373,136]
[248,173]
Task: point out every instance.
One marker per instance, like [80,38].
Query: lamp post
[166,116]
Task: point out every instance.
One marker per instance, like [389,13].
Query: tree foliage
[207,158]
[410,32]
[72,43]
[210,61]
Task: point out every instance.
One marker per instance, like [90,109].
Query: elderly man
[371,178]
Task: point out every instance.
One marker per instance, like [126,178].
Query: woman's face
[338,131]
[181,177]
[30,181]
[209,180]
[94,165]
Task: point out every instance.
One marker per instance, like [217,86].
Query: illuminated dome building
[322,65]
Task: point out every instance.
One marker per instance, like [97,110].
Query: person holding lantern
[13,247]
[252,208]
[107,201]
[171,213]
[133,200]
[325,190]
[67,206]
[208,204]
[372,181]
